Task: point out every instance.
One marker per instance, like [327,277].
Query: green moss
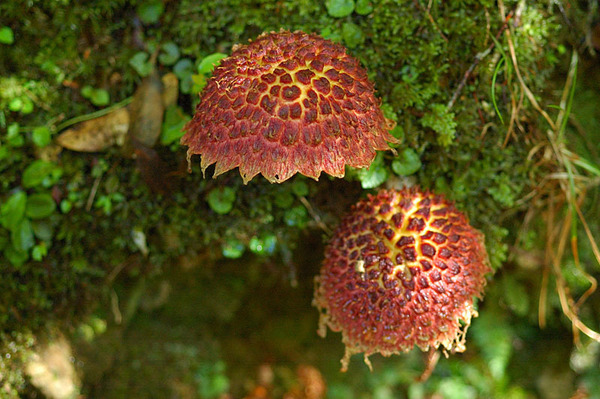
[15,350]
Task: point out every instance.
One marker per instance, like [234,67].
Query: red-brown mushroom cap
[402,269]
[287,103]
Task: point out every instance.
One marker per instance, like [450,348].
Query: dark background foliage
[167,284]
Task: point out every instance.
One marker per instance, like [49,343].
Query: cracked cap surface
[401,270]
[288,103]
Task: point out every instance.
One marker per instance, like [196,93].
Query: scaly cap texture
[287,103]
[402,269]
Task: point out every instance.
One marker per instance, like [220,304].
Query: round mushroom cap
[288,103]
[401,270]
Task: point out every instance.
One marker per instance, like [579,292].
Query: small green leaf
[140,63]
[36,172]
[150,11]
[104,202]
[397,132]
[352,34]
[66,206]
[15,104]
[199,81]
[39,251]
[407,163]
[22,236]
[6,35]
[40,205]
[296,216]
[364,7]
[170,54]
[13,210]
[331,33]
[16,258]
[12,131]
[339,8]
[375,175]
[209,62]
[27,106]
[87,91]
[41,136]
[172,128]
[13,135]
[100,97]
[264,245]
[183,69]
[300,188]
[233,249]
[284,199]
[221,199]
[42,229]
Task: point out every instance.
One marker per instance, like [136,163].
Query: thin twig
[114,273]
[554,253]
[515,109]
[478,57]
[433,356]
[315,216]
[595,251]
[428,13]
[37,101]
[90,200]
[114,305]
[513,56]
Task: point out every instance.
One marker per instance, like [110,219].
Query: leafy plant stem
[93,115]
[493,88]
[567,98]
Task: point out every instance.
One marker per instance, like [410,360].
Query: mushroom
[401,270]
[288,103]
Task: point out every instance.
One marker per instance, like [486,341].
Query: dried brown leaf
[147,111]
[170,89]
[97,134]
